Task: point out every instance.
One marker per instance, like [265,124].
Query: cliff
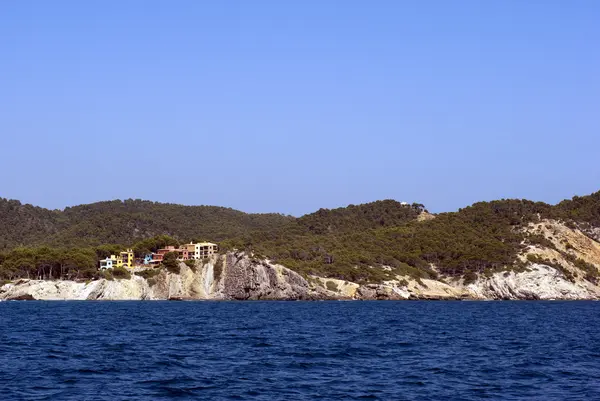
[564,268]
[227,277]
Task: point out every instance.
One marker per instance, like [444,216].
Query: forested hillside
[363,243]
[479,237]
[385,213]
[124,222]
[584,209]
[25,224]
[484,237]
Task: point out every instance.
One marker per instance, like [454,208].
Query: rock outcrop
[238,276]
[538,282]
[246,278]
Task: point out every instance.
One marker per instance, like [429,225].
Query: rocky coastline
[238,276]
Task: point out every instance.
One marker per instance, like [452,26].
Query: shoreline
[246,279]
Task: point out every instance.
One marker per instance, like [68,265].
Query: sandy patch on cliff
[340,287]
[567,240]
[424,216]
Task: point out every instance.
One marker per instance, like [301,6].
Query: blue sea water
[299,350]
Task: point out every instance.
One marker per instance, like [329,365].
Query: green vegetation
[479,239]
[191,264]
[171,263]
[591,272]
[364,243]
[386,213]
[552,263]
[218,268]
[332,286]
[106,274]
[469,277]
[583,209]
[148,273]
[121,272]
[48,263]
[483,236]
[152,244]
[124,222]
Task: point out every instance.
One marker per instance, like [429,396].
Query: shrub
[175,269]
[171,263]
[566,273]
[151,282]
[121,272]
[591,272]
[313,282]
[469,277]
[191,264]
[107,275]
[540,240]
[148,274]
[591,278]
[332,286]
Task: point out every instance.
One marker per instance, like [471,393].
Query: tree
[418,207]
[79,263]
[121,272]
[170,262]
[153,244]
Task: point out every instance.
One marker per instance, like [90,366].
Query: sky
[291,106]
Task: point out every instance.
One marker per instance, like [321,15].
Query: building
[181,251]
[124,259]
[108,263]
[182,254]
[201,250]
[189,251]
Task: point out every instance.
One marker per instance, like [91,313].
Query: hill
[366,243]
[25,224]
[124,222]
[479,239]
[385,213]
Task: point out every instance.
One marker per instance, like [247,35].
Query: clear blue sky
[289,106]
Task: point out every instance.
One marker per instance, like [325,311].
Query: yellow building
[201,250]
[125,259]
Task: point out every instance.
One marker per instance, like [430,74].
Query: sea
[333,350]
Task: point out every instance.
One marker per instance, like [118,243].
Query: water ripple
[299,351]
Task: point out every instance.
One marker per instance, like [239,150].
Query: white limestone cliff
[241,277]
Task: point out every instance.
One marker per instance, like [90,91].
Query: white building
[201,250]
[108,263]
